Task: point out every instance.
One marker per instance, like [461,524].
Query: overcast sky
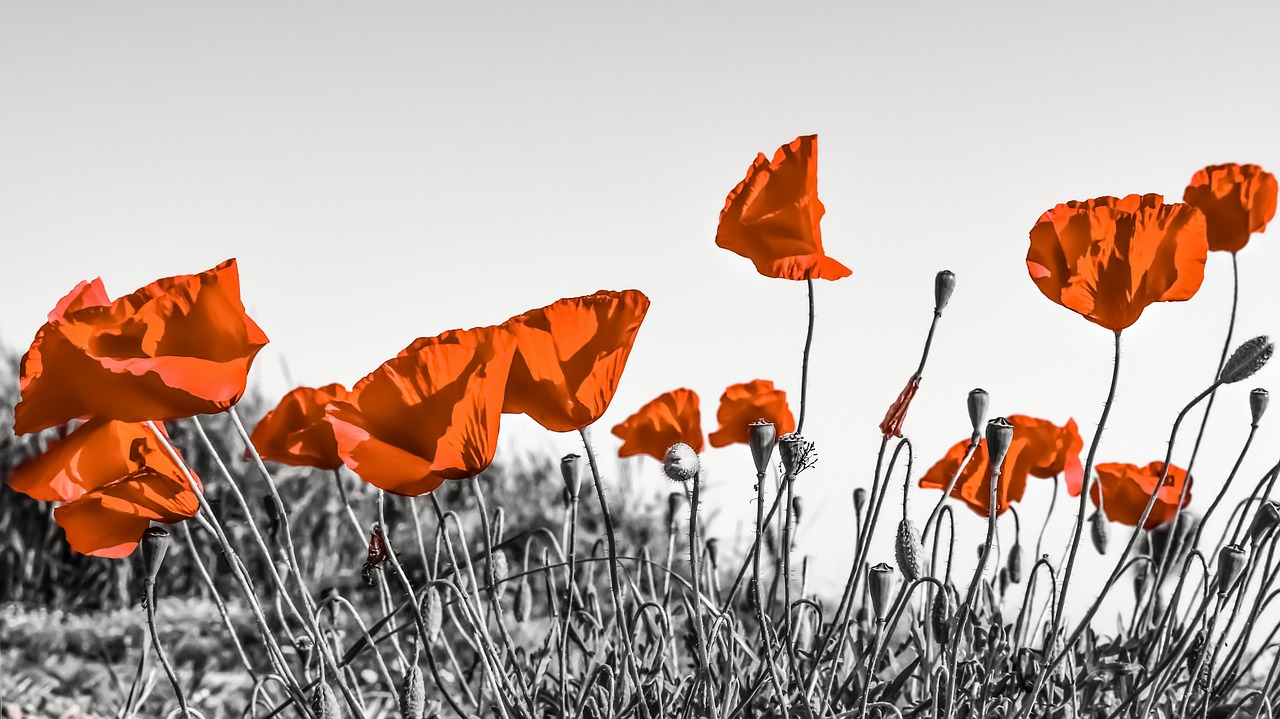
[389,170]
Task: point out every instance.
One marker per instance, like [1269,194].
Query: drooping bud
[761,436]
[673,507]
[1014,564]
[324,704]
[879,586]
[1264,520]
[681,463]
[713,552]
[999,437]
[1258,400]
[1098,531]
[908,551]
[1231,561]
[1248,358]
[413,695]
[860,499]
[979,402]
[155,544]
[570,471]
[891,425]
[524,601]
[940,616]
[944,283]
[432,613]
[797,507]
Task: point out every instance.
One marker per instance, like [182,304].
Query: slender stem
[804,365]
[149,588]
[758,597]
[704,666]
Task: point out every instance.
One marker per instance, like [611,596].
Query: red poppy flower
[1053,450]
[671,418]
[295,432]
[772,217]
[1109,258]
[974,486]
[1126,489]
[742,404]
[1237,201]
[112,480]
[180,346]
[428,416]
[570,356]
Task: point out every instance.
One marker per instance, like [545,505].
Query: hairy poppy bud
[944,283]
[999,437]
[1248,358]
[681,463]
[761,436]
[908,551]
[797,507]
[413,695]
[791,452]
[1195,649]
[570,472]
[432,613]
[1098,531]
[324,704]
[1014,564]
[859,499]
[879,585]
[1266,518]
[713,552]
[1258,401]
[524,601]
[155,544]
[979,401]
[498,565]
[1231,561]
[940,616]
[673,507]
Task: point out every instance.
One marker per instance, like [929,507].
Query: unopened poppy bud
[570,472]
[524,601]
[944,283]
[791,452]
[1264,520]
[673,507]
[324,704]
[879,585]
[1002,578]
[940,617]
[979,402]
[1258,401]
[1231,561]
[859,499]
[999,437]
[1248,358]
[761,436]
[797,507]
[413,695]
[1098,531]
[500,569]
[908,550]
[155,544]
[713,552]
[1014,564]
[681,463]
[432,614]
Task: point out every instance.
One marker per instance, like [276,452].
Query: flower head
[772,217]
[742,404]
[295,432]
[1108,258]
[1237,201]
[672,417]
[1053,450]
[179,347]
[1126,489]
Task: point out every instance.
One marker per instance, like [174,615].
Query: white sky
[387,170]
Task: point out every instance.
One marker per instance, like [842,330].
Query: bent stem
[149,601]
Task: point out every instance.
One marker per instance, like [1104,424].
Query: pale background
[389,170]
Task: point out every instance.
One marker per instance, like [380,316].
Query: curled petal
[742,404]
[672,418]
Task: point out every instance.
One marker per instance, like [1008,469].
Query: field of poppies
[173,545]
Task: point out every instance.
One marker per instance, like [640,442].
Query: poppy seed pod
[859,499]
[155,544]
[713,552]
[940,617]
[908,550]
[432,614]
[1014,564]
[880,584]
[1248,358]
[324,704]
[761,436]
[1231,561]
[1264,520]
[999,437]
[791,452]
[1258,401]
[1098,532]
[943,285]
[681,463]
[571,472]
[797,507]
[979,402]
[413,695]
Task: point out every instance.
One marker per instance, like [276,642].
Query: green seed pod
[681,463]
[944,283]
[572,475]
[761,436]
[1248,358]
[1231,561]
[791,452]
[324,703]
[413,695]
[1258,401]
[979,401]
[1014,564]
[1098,532]
[908,551]
[1002,578]
[940,617]
[880,585]
[1264,520]
[859,499]
[999,437]
[155,544]
[432,614]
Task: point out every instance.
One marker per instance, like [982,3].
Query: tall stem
[700,629]
[804,364]
[149,587]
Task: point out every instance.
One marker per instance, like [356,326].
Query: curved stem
[804,364]
[149,588]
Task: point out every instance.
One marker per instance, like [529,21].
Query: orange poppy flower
[295,432]
[1109,258]
[1053,450]
[1126,489]
[1237,201]
[742,404]
[428,416]
[112,480]
[570,356]
[772,217]
[672,418]
[974,486]
[180,346]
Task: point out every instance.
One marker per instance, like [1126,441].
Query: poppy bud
[324,704]
[413,695]
[155,544]
[524,601]
[859,499]
[1248,358]
[999,437]
[761,436]
[979,402]
[1014,564]
[940,616]
[1098,531]
[1258,401]
[1002,578]
[908,551]
[498,565]
[1231,561]
[673,507]
[791,452]
[797,507]
[944,283]
[571,474]
[880,584]
[1266,518]
[432,614]
[681,463]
